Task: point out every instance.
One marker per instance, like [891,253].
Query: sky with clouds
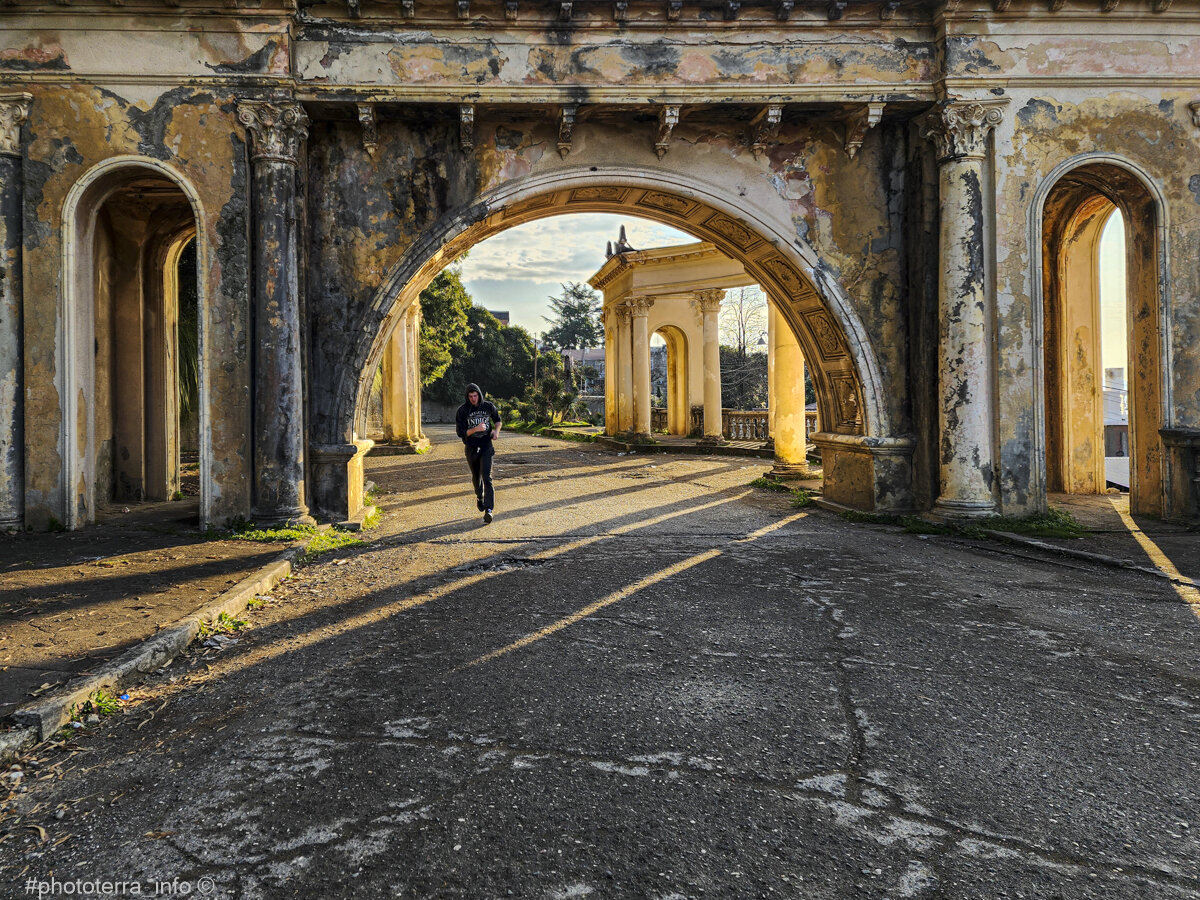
[519,269]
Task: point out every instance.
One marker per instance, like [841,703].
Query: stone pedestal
[710,306]
[339,482]
[639,309]
[959,130]
[276,129]
[14,110]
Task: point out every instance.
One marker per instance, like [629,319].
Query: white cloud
[518,269]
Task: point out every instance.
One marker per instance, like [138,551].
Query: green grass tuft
[333,539]
[801,498]
[281,535]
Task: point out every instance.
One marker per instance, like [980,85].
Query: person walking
[478,424]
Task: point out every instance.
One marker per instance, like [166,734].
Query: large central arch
[857,431]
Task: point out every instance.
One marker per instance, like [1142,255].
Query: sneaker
[479,505]
[487,517]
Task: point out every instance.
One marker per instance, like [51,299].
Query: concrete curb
[1103,559]
[43,718]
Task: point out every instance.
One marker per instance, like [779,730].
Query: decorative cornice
[959,128]
[277,129]
[14,112]
[709,300]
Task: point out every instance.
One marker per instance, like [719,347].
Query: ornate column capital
[959,128]
[276,128]
[639,306]
[623,313]
[14,112]
[709,300]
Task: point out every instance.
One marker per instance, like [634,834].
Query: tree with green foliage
[445,306]
[575,324]
[497,357]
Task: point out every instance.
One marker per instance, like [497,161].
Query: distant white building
[1116,427]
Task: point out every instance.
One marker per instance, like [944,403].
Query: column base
[782,471]
[712,440]
[957,510]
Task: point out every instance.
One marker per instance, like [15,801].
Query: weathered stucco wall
[69,133]
[862,226]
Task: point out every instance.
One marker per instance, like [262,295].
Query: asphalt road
[646,679]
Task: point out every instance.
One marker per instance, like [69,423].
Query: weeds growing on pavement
[332,539]
[372,519]
[225,624]
[800,496]
[283,534]
[1056,523]
[100,703]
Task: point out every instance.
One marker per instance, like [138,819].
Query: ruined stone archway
[159,212]
[867,464]
[1071,209]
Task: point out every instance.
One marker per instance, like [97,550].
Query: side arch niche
[1076,206]
[126,224]
[866,465]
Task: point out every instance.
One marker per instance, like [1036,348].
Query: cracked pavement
[646,679]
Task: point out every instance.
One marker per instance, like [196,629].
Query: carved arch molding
[826,351]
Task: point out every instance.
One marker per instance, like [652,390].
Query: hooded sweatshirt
[482,413]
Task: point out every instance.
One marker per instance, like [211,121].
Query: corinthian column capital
[959,128]
[640,305]
[14,112]
[709,301]
[277,129]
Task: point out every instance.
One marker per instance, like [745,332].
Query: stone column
[625,384]
[413,372]
[14,111]
[611,367]
[639,311]
[277,131]
[786,368]
[959,130]
[710,306]
[772,387]
[395,385]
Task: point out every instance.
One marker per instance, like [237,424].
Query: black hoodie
[468,416]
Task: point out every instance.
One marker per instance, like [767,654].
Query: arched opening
[131,365]
[678,403]
[865,465]
[1104,403]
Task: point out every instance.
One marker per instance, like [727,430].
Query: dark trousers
[480,461]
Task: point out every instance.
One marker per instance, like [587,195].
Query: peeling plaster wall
[195,133]
[604,56]
[1152,133]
